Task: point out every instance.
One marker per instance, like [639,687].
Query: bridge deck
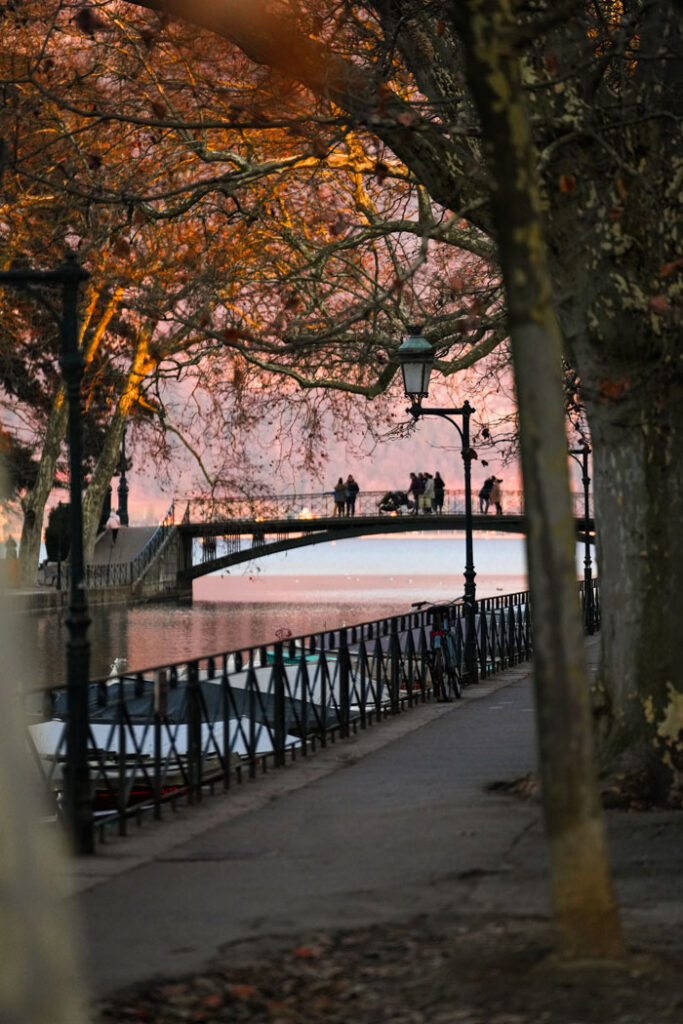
[355,525]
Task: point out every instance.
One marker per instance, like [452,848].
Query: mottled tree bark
[33,503]
[586,914]
[107,462]
[638,441]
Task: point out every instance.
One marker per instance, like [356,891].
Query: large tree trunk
[638,440]
[93,499]
[586,913]
[33,503]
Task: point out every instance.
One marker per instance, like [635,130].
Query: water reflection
[158,634]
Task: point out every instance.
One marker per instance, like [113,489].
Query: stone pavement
[395,822]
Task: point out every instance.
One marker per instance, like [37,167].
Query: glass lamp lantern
[416,357]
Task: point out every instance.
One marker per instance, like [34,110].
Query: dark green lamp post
[416,358]
[77,796]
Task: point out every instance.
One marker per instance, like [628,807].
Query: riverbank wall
[51,600]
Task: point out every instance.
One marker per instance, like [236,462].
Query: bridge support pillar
[184,553]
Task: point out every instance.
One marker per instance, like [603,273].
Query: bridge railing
[199,509]
[145,556]
[124,574]
[180,730]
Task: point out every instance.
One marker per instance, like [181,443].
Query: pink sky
[434,446]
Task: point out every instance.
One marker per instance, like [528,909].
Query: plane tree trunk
[34,501]
[638,485]
[614,231]
[585,910]
[142,364]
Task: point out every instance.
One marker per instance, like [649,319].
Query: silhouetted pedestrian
[497,496]
[485,495]
[339,497]
[439,488]
[351,494]
[428,494]
[414,491]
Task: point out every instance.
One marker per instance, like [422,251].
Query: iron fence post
[344,692]
[194,733]
[279,708]
[122,756]
[471,668]
[395,681]
[225,706]
[77,795]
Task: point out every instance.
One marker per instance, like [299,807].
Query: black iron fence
[203,509]
[181,730]
[124,574]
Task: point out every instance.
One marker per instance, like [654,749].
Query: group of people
[345,494]
[426,492]
[491,494]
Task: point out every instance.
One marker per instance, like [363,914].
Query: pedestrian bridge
[229,532]
[198,536]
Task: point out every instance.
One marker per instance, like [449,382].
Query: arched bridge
[239,530]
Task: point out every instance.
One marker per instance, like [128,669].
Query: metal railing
[199,509]
[179,730]
[143,559]
[124,574]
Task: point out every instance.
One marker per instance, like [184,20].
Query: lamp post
[580,457]
[77,796]
[416,357]
[123,484]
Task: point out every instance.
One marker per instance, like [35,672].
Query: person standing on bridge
[439,488]
[414,491]
[352,490]
[485,495]
[428,494]
[113,524]
[497,496]
[339,497]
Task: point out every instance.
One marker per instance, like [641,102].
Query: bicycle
[442,656]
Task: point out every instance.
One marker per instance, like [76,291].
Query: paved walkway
[392,823]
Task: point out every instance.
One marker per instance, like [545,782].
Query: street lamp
[77,796]
[416,357]
[123,484]
[580,457]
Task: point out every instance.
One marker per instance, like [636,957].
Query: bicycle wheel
[438,675]
[452,676]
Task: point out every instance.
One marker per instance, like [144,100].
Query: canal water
[307,590]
